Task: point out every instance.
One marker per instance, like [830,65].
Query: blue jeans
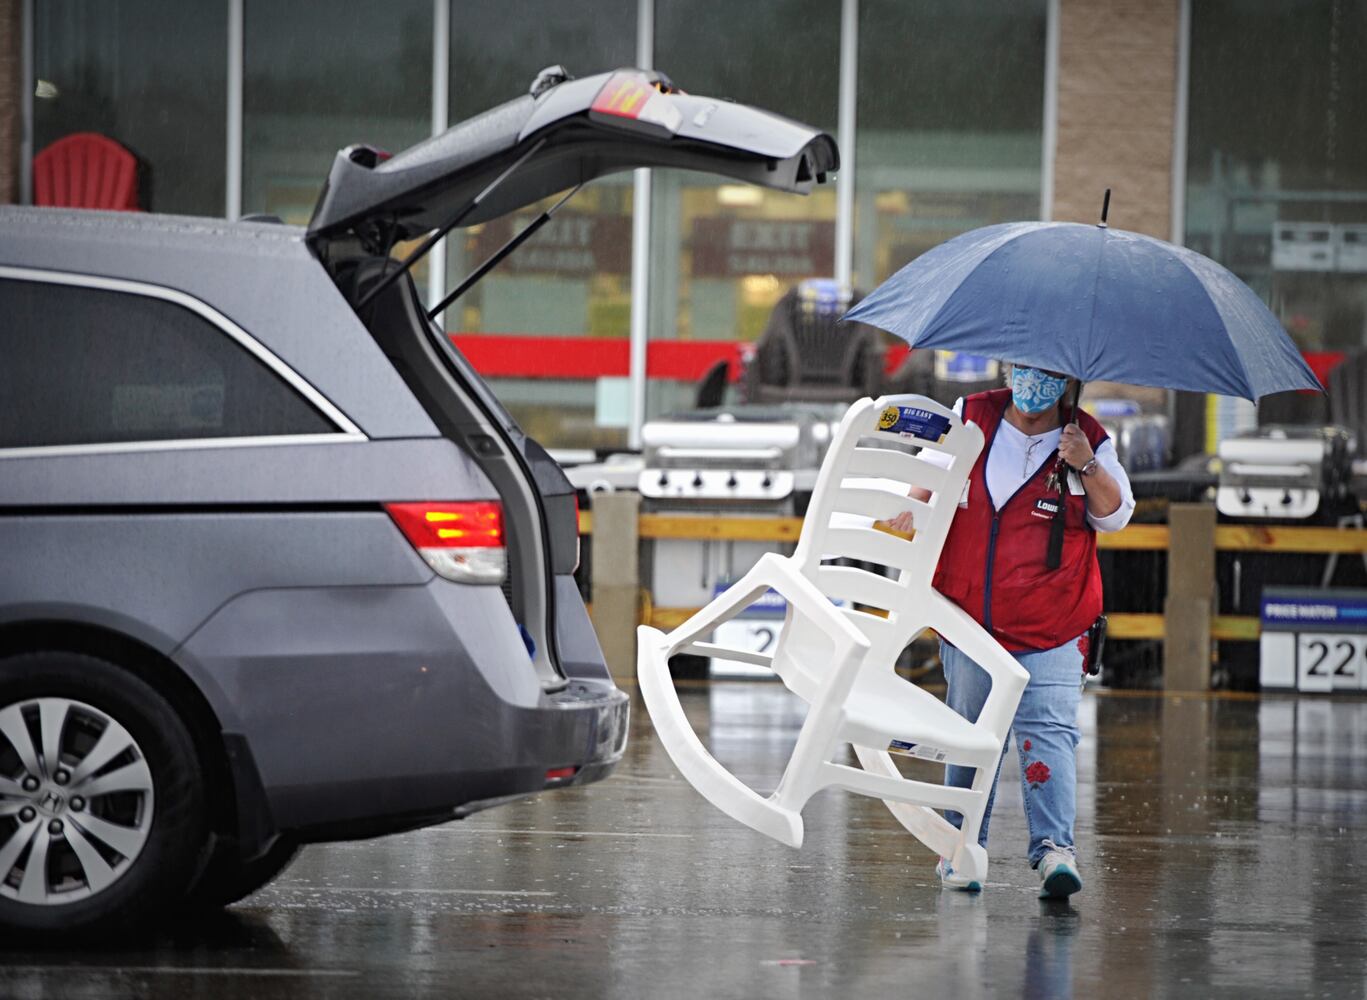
[1045,729]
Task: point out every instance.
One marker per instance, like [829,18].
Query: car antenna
[493,260]
[440,233]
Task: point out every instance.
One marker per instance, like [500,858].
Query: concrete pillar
[1190,603]
[1117,92]
[617,579]
[11,97]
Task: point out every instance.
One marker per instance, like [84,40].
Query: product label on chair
[921,751]
[908,421]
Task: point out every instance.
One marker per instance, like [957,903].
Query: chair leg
[819,736]
[1008,677]
[970,861]
[925,824]
[714,782]
[983,777]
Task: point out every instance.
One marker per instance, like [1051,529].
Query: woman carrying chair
[1049,474]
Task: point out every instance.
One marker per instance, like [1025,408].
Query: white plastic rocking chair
[841,660]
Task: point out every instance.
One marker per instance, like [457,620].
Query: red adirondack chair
[86,170]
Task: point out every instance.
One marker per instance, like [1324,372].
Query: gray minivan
[276,567]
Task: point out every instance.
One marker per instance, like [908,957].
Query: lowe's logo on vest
[1045,508]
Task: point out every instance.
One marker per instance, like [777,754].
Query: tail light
[461,541]
[629,97]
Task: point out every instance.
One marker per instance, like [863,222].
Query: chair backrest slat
[878,629]
[859,585]
[874,503]
[888,463]
[868,545]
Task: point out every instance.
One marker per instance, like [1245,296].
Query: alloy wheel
[76,797]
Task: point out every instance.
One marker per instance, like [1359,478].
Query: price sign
[757,635]
[1314,639]
[1330,661]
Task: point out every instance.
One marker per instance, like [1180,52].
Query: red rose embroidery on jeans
[1037,773]
[1027,746]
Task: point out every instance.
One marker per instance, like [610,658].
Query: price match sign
[1314,640]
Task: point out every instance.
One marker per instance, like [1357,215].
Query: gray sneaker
[1058,875]
[951,879]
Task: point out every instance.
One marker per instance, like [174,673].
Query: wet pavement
[1220,838]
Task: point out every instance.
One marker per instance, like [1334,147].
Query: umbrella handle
[1053,557]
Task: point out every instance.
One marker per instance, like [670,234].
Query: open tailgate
[568,133]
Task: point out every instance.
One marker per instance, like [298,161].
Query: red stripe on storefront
[512,355]
[517,356]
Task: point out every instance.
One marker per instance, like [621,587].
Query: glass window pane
[85,366]
[550,323]
[950,123]
[1277,158]
[497,49]
[150,74]
[725,253]
[320,75]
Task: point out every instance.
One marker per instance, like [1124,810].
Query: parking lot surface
[1221,841]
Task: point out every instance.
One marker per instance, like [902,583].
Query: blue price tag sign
[1290,609]
[910,421]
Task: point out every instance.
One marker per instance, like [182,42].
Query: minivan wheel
[102,813]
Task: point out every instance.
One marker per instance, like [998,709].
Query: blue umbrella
[1095,303]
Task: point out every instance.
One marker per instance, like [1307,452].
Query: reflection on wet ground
[1219,839]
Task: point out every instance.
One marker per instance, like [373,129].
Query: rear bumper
[369,710]
[606,709]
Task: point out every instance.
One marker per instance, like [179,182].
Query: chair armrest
[1008,676]
[851,645]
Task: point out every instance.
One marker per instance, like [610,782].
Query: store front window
[950,124]
[1277,158]
[950,138]
[320,75]
[107,67]
[724,253]
[549,326]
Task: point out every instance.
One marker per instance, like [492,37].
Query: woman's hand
[902,522]
[1073,447]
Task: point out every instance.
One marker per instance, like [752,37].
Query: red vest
[993,563]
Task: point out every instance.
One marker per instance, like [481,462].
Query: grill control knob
[767,481]
[664,479]
[732,482]
[697,481]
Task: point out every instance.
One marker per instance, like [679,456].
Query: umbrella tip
[1105,208]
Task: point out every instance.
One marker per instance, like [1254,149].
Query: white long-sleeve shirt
[1015,456]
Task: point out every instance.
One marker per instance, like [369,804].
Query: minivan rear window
[94,366]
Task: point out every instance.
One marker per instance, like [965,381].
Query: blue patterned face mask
[1033,391]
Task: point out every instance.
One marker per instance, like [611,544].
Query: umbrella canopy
[1096,303]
